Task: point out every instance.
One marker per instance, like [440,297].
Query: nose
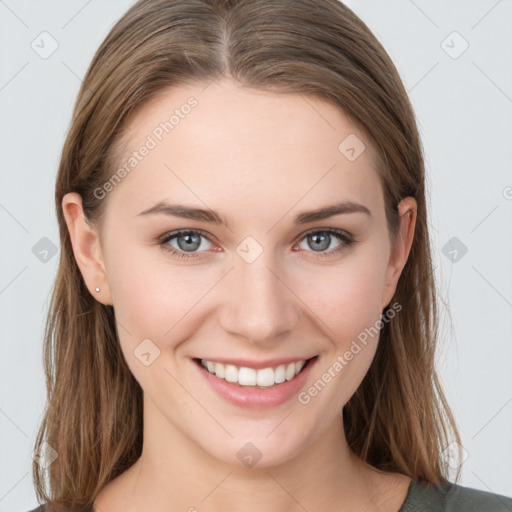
[258,305]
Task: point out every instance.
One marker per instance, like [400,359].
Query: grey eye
[187,241]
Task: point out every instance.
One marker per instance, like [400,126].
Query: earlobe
[407,212]
[86,248]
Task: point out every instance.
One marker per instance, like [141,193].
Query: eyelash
[343,236]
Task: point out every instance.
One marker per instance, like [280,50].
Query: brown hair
[398,420]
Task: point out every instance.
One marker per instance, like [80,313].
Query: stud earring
[97,289]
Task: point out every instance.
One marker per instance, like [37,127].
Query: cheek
[345,297]
[154,298]
[349,303]
[360,301]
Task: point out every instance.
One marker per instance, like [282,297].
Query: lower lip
[257,398]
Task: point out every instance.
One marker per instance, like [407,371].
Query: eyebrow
[187,212]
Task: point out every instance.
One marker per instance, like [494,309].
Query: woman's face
[272,284]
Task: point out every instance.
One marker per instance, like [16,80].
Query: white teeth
[244,376]
[280,374]
[247,376]
[219,370]
[231,374]
[290,371]
[265,377]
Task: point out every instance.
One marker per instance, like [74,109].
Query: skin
[258,158]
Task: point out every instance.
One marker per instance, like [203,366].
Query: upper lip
[257,365]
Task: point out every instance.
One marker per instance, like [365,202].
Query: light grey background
[463,103]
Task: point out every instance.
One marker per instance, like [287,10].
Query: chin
[258,451]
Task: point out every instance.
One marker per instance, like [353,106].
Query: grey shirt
[422,497]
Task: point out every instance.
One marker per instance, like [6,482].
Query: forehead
[221,143]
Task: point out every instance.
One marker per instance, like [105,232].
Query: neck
[174,472]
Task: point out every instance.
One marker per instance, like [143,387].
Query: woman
[244,315]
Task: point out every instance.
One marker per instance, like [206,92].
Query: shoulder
[466,498]
[449,497]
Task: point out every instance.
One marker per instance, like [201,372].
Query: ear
[407,213]
[86,248]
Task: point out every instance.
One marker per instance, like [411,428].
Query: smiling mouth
[257,378]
